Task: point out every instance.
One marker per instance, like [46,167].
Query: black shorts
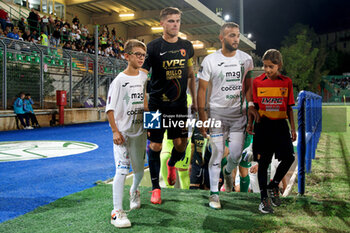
[272,137]
[170,119]
[200,175]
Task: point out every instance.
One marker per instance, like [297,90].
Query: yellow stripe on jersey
[273,114]
[190,62]
[272,92]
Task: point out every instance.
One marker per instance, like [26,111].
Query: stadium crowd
[343,83]
[50,30]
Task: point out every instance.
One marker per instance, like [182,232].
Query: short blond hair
[169,11]
[228,25]
[133,43]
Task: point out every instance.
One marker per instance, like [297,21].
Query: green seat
[53,62]
[74,65]
[61,62]
[9,56]
[37,59]
[28,59]
[19,57]
[46,60]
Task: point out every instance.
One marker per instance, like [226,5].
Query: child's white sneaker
[135,201]
[119,219]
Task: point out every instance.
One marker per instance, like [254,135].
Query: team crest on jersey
[183,52]
[283,91]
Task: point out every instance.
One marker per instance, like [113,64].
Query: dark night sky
[270,20]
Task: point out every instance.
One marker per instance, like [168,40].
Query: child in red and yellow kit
[273,98]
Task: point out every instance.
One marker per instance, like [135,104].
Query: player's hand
[253,114]
[294,135]
[204,131]
[118,138]
[250,126]
[254,169]
[194,108]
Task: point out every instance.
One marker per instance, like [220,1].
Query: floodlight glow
[226,17]
[127,15]
[157,28]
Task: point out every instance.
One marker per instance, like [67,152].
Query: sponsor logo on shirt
[233,74]
[272,100]
[137,96]
[124,85]
[220,64]
[230,65]
[231,88]
[134,112]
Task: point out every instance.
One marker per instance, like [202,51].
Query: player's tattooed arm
[202,88]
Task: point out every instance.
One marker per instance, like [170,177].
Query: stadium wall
[71,116]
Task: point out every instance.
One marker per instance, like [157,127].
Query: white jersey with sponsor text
[125,98]
[226,76]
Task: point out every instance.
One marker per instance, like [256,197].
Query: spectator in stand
[33,20]
[3,16]
[28,109]
[56,37]
[51,26]
[88,49]
[22,25]
[67,45]
[1,33]
[103,40]
[13,35]
[20,36]
[114,35]
[65,23]
[34,36]
[19,111]
[65,33]
[44,24]
[9,23]
[76,21]
[7,31]
[44,39]
[26,35]
[84,31]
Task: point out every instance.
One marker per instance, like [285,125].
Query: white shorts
[132,152]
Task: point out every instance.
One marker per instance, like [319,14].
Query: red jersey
[3,14]
[273,96]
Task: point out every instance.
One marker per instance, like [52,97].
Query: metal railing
[41,70]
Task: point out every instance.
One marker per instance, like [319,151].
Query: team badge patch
[183,52]
[283,91]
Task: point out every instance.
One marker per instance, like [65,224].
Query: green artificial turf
[325,207]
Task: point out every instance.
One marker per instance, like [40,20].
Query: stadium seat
[46,60]
[61,62]
[28,58]
[37,59]
[9,56]
[19,57]
[74,65]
